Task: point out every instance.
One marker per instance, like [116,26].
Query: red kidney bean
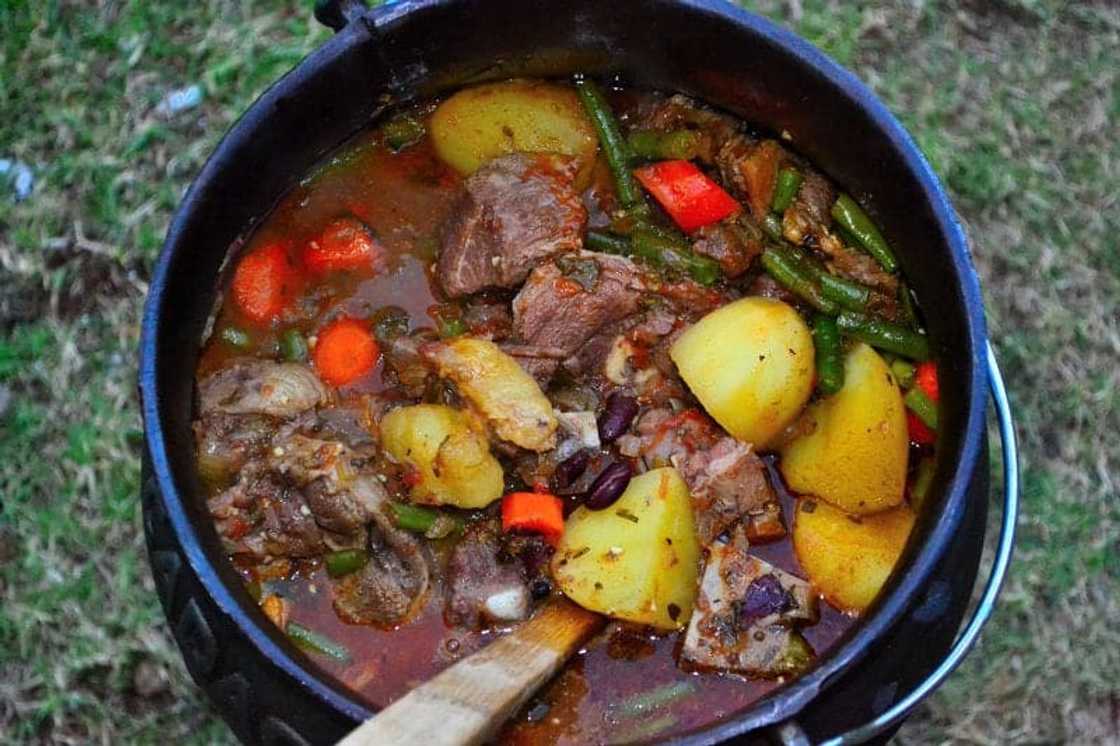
[617,416]
[609,486]
[570,469]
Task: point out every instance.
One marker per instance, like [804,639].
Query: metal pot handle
[790,734]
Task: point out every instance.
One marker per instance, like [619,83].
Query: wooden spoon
[466,703]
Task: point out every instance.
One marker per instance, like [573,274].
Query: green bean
[434,524]
[643,702]
[293,346]
[236,337]
[884,335]
[829,356]
[449,328]
[920,404]
[646,730]
[402,131]
[662,251]
[906,305]
[676,145]
[852,218]
[903,373]
[607,243]
[772,225]
[923,478]
[610,138]
[345,561]
[789,181]
[789,274]
[840,290]
[309,639]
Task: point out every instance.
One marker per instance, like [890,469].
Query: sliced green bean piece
[610,139]
[840,290]
[829,356]
[648,729]
[906,305]
[235,337]
[923,478]
[676,145]
[787,272]
[644,702]
[920,404]
[450,327]
[772,226]
[402,131]
[662,251]
[884,335]
[309,639]
[789,181]
[293,346]
[345,561]
[607,243]
[435,524]
[903,373]
[852,218]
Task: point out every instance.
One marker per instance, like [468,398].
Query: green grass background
[1015,102]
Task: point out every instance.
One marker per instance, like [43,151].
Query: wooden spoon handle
[466,703]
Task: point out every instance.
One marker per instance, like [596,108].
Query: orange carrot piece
[345,351]
[535,513]
[265,283]
[344,244]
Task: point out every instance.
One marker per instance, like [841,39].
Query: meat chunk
[726,480]
[263,517]
[404,362]
[518,210]
[746,614]
[750,168]
[225,442]
[732,243]
[680,112]
[261,387]
[393,584]
[809,213]
[482,588]
[565,311]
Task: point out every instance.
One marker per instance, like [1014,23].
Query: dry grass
[1015,102]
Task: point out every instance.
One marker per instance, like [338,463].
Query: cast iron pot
[266,689]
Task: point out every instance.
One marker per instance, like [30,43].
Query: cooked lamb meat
[681,112]
[808,214]
[489,319]
[262,516]
[745,615]
[253,386]
[518,210]
[726,479]
[480,587]
[225,442]
[392,586]
[751,169]
[733,243]
[554,309]
[404,362]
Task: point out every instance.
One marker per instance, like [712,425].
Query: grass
[1015,102]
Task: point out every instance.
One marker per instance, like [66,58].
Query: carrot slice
[344,244]
[265,283]
[345,351]
[535,513]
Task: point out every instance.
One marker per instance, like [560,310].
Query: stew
[543,338]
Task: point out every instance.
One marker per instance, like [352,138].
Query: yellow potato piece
[517,116]
[849,558]
[450,453]
[855,449]
[636,560]
[750,363]
[500,389]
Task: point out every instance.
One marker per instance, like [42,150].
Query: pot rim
[785,701]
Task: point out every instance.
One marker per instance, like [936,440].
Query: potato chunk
[750,363]
[854,452]
[499,388]
[848,558]
[637,560]
[449,452]
[517,116]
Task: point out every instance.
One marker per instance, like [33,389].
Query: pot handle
[790,734]
[335,14]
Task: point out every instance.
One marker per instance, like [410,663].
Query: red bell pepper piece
[925,378]
[687,194]
[920,432]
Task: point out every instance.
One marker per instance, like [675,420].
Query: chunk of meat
[810,212]
[750,168]
[554,310]
[726,480]
[225,442]
[489,319]
[263,517]
[482,588]
[680,112]
[404,362]
[732,243]
[393,584]
[261,387]
[745,616]
[517,211]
